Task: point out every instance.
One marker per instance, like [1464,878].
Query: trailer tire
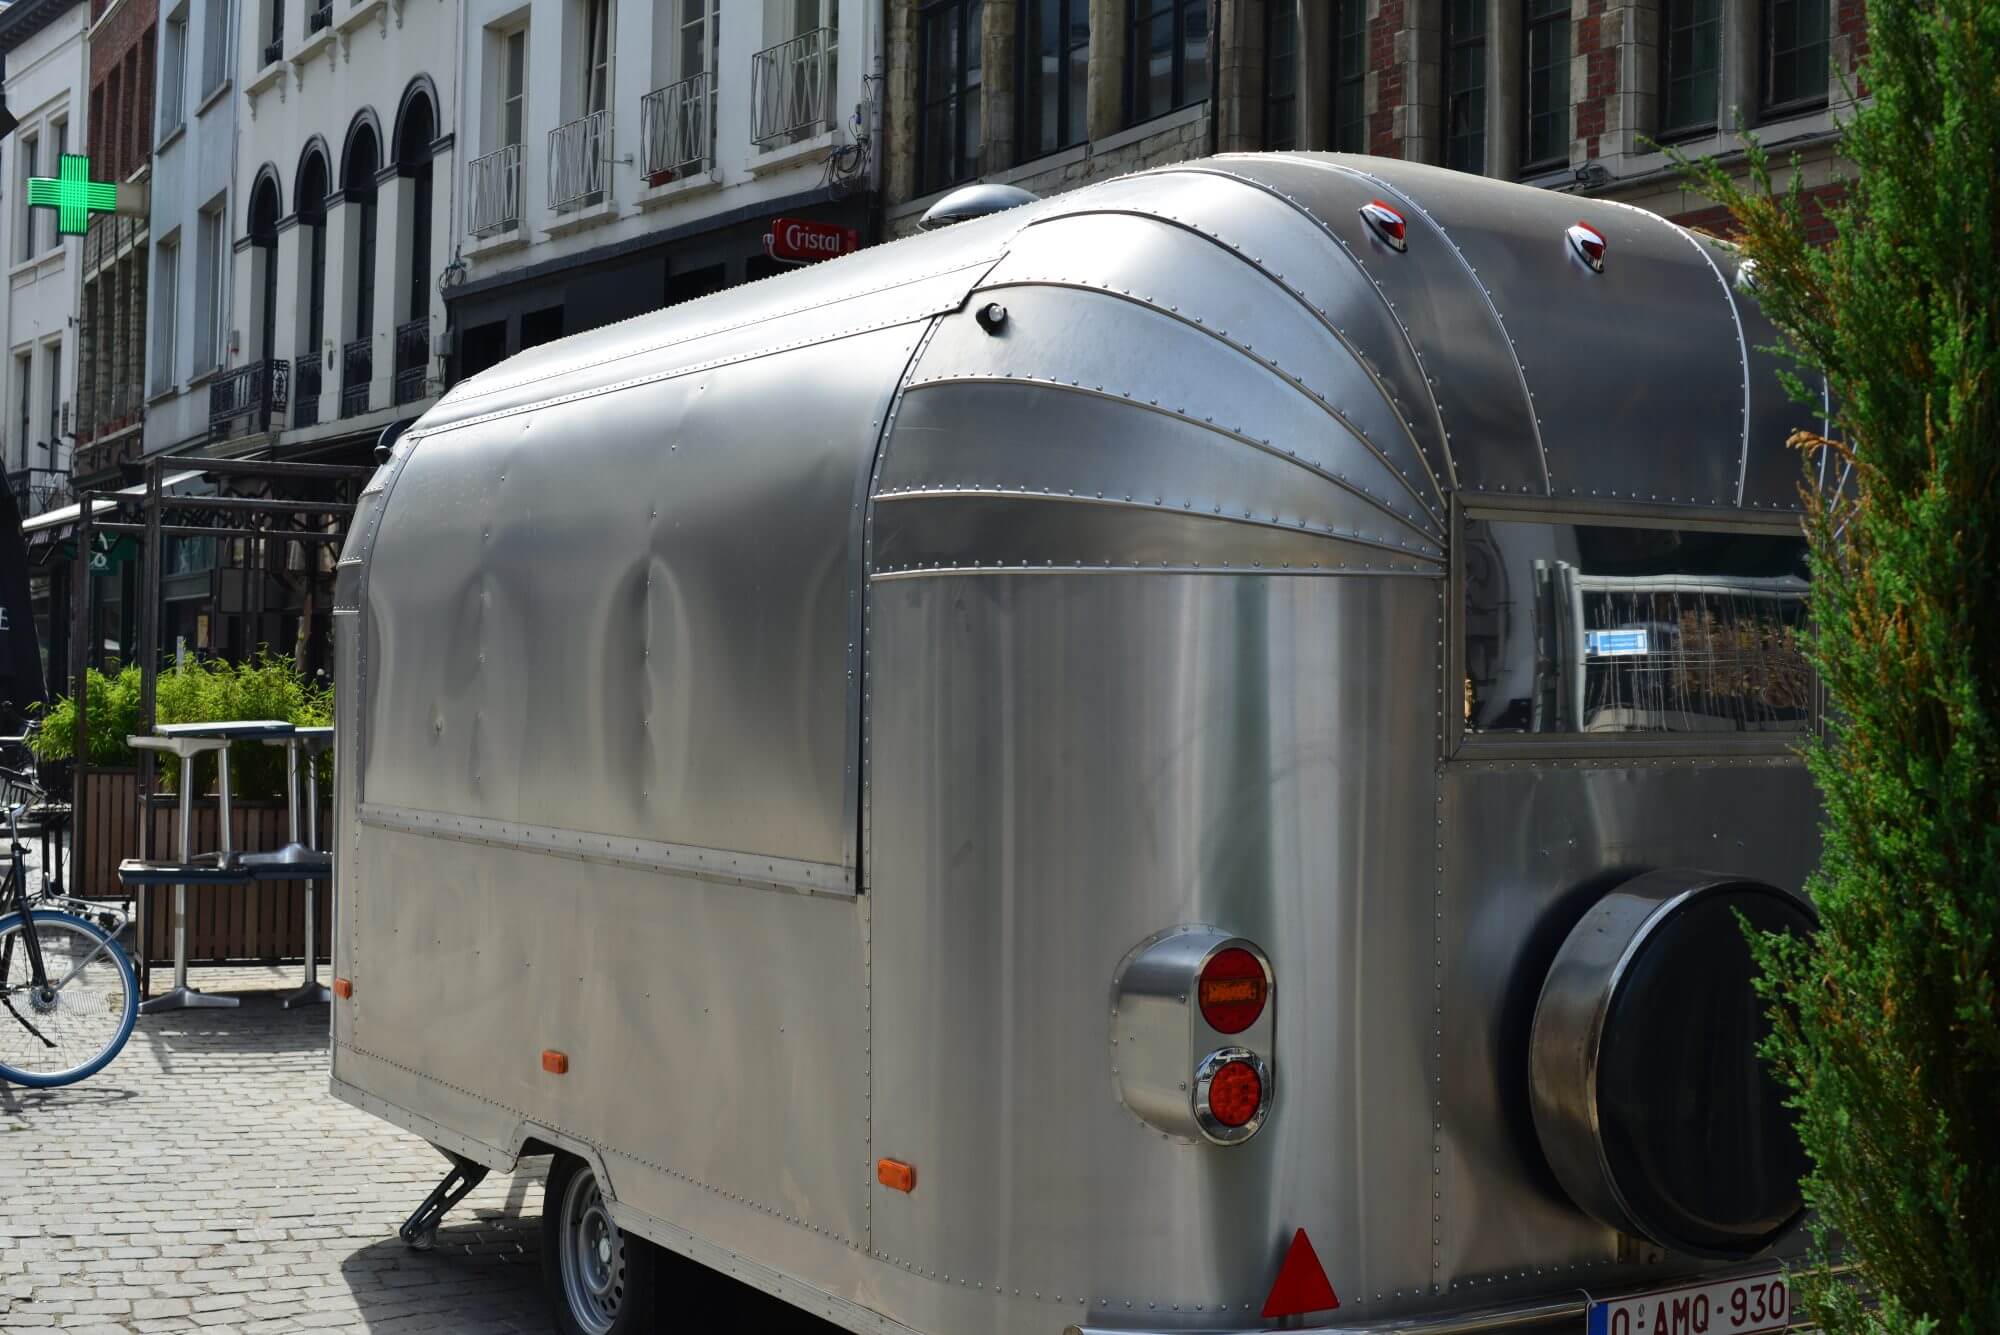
[599,1278]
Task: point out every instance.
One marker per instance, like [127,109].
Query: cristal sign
[72,194]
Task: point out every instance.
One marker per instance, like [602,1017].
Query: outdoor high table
[296,861]
[222,867]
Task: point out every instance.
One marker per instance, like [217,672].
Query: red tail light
[1235,1094]
[1233,990]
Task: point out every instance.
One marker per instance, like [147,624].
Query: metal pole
[79,690]
[149,656]
[223,837]
[311,991]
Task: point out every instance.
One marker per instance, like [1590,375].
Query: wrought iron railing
[37,490]
[306,390]
[242,402]
[321,18]
[579,161]
[792,87]
[677,124]
[274,50]
[413,359]
[496,191]
[357,368]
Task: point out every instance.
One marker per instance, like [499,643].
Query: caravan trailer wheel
[599,1278]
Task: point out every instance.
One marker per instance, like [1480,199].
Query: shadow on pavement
[484,1275]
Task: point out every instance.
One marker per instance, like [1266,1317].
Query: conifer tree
[1886,1028]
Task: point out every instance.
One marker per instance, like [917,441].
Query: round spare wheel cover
[1650,1102]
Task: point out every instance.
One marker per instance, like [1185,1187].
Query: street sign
[72,194]
[802,241]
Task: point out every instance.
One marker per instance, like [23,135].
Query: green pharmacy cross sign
[72,194]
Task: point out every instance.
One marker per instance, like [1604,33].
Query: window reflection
[1574,628]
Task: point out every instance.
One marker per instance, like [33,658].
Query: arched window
[363,161]
[264,208]
[310,197]
[417,128]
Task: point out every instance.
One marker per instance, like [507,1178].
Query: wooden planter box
[262,922]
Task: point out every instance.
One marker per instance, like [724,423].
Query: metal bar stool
[186,871]
[300,861]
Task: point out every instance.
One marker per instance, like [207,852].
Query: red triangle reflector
[1302,1286]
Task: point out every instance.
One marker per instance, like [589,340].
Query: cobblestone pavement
[207,1180]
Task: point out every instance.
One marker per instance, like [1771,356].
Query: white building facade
[344,186]
[191,337]
[621,155]
[47,75]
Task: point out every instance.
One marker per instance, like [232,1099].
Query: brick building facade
[111,314]
[1573,95]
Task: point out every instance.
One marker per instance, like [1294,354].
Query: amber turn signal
[895,1175]
[555,1063]
[342,988]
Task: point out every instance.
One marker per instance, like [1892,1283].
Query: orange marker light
[555,1063]
[343,988]
[895,1175]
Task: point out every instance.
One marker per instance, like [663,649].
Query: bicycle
[68,991]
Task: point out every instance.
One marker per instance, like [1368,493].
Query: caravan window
[1599,628]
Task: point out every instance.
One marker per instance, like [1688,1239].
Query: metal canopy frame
[256,517]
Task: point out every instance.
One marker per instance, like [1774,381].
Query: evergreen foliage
[1887,1033]
[267,687]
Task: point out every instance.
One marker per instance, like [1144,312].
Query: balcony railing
[38,490]
[320,18]
[274,50]
[792,87]
[305,391]
[678,125]
[357,368]
[579,159]
[496,191]
[413,359]
[241,402]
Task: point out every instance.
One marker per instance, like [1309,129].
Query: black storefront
[494,318]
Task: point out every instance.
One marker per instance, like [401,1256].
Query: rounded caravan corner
[1136,608]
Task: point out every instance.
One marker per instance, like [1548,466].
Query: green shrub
[1887,1024]
[266,687]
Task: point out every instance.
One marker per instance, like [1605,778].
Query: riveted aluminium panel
[1034,439]
[1152,364]
[590,580]
[1065,766]
[1464,356]
[1773,475]
[1528,848]
[1290,246]
[1202,282]
[715,1034]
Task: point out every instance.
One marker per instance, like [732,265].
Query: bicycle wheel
[82,1020]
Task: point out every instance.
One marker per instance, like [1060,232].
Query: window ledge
[311,46]
[160,396]
[659,196]
[211,97]
[497,243]
[200,378]
[362,11]
[576,220]
[168,139]
[264,78]
[814,149]
[1132,134]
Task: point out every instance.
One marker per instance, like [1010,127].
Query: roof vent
[973,201]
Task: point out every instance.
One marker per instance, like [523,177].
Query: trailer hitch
[419,1231]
